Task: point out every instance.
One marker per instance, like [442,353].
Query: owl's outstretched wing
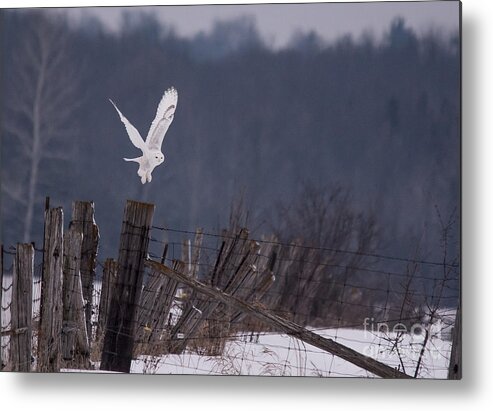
[132,132]
[164,117]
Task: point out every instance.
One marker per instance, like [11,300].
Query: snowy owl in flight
[151,148]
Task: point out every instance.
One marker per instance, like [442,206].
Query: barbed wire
[295,245]
[306,261]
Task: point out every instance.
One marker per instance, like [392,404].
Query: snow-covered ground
[282,355]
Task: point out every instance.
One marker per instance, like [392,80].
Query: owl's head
[157,157]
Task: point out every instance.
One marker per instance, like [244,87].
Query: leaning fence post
[50,327]
[22,291]
[83,221]
[282,324]
[121,324]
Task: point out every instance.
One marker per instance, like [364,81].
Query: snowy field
[281,355]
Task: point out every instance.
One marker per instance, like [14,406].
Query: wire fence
[397,310]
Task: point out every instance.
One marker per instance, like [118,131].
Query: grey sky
[277,23]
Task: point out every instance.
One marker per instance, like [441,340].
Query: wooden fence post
[21,309]
[155,307]
[75,343]
[109,279]
[120,331]
[455,365]
[83,221]
[49,337]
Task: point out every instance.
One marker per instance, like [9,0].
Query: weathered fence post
[155,307]
[109,279]
[455,365]
[83,221]
[50,328]
[197,246]
[121,324]
[75,343]
[21,309]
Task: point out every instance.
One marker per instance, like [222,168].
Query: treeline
[380,119]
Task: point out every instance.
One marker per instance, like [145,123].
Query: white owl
[151,148]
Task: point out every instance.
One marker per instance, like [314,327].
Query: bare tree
[39,109]
[425,304]
[321,225]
